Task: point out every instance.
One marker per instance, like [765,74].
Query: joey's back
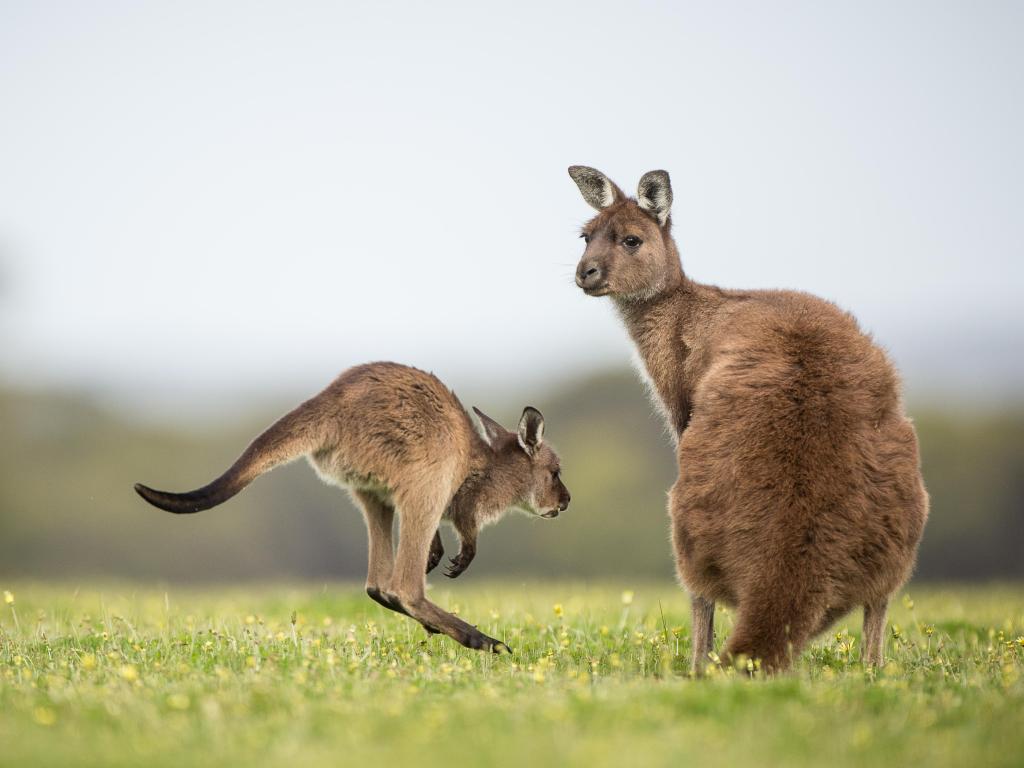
[380,420]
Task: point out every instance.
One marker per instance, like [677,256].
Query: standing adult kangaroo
[799,493]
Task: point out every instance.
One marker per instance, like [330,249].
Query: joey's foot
[478,641]
[387,600]
[471,637]
[436,552]
[459,563]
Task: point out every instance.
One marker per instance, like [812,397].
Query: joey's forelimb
[436,552]
[461,561]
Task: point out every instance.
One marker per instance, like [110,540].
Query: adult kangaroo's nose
[588,275]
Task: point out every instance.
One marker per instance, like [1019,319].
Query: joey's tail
[293,435]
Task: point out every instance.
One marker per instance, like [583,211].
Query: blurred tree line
[67,508]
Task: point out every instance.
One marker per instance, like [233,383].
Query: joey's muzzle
[562,506]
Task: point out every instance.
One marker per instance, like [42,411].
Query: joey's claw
[456,568]
[436,553]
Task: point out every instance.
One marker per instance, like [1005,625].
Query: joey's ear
[492,429]
[598,190]
[531,430]
[654,194]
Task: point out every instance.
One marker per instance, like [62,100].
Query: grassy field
[321,676]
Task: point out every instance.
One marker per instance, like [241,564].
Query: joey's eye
[632,241]
[556,473]
[586,237]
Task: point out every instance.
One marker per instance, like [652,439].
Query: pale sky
[234,197]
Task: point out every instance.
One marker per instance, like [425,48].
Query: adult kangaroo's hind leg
[702,631]
[874,631]
[420,515]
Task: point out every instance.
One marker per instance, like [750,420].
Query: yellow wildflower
[43,715]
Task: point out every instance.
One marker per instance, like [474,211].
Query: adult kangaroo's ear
[492,429]
[531,430]
[598,190]
[654,194]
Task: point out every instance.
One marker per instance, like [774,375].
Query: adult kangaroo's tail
[290,437]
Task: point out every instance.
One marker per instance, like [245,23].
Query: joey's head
[528,470]
[629,251]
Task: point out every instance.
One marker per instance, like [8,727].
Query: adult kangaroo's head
[630,254]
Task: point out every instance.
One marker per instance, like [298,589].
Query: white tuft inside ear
[654,195]
[531,430]
[596,188]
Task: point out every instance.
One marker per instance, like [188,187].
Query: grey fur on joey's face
[545,494]
[401,441]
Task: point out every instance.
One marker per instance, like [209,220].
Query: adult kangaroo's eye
[632,241]
[586,237]
[555,473]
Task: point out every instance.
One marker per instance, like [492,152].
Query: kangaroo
[398,439]
[799,493]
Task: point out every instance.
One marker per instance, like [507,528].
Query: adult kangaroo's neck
[670,332]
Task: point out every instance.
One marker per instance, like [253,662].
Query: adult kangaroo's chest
[662,366]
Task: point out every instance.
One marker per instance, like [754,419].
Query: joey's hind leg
[436,552]
[379,520]
[417,524]
[874,631]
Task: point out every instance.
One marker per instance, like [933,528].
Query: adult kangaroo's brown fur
[799,493]
[401,441]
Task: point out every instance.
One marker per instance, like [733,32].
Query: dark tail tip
[178,503]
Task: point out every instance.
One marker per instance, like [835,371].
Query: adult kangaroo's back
[799,493]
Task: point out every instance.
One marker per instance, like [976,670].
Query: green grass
[313,676]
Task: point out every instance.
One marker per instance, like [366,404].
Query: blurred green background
[67,509]
[208,210]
